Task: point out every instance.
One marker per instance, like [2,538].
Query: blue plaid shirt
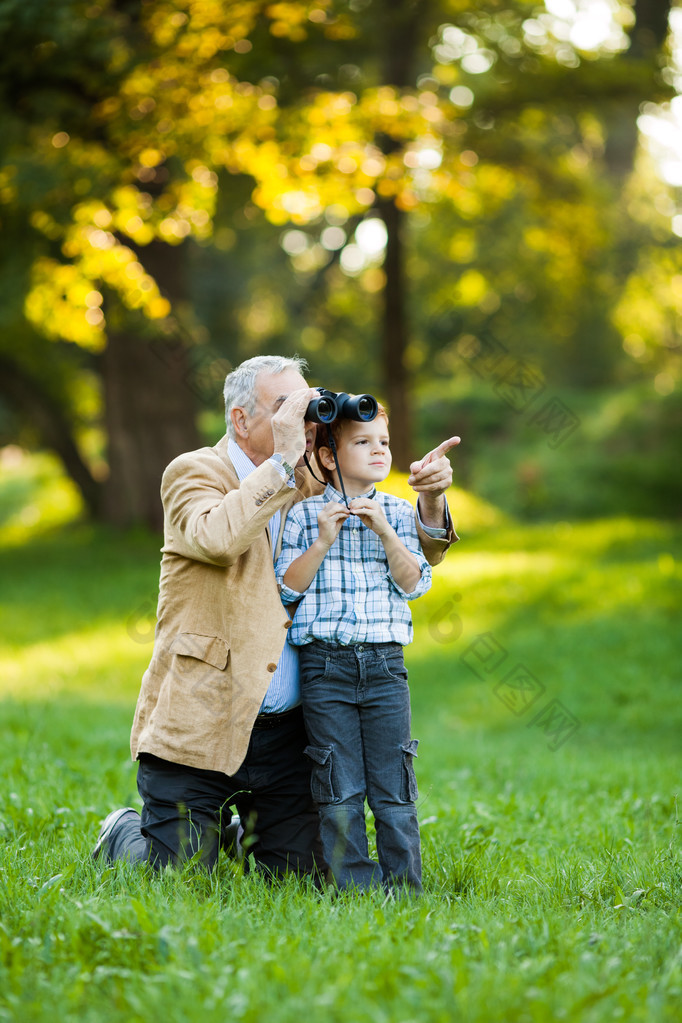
[353,598]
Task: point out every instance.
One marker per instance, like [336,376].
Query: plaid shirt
[353,598]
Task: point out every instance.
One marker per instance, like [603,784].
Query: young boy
[353,571]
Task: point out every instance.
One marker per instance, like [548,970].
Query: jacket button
[272,667]
[259,502]
[287,625]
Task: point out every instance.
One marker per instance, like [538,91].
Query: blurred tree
[461,107]
[472,131]
[105,107]
[60,174]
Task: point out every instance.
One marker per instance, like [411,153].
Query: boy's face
[364,454]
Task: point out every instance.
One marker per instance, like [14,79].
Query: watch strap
[279,459]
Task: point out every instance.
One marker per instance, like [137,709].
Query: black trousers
[186,809]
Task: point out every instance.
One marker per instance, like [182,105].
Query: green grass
[553,877]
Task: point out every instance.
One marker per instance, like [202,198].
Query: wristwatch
[285,465]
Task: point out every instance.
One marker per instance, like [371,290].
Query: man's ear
[326,458]
[239,422]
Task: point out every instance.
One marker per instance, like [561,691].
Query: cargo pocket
[409,785]
[321,788]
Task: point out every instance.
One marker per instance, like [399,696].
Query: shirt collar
[240,460]
[332,494]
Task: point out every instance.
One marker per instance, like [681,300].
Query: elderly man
[218,722]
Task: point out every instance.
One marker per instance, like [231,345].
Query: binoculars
[330,406]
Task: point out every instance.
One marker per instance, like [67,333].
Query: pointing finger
[444,447]
[438,452]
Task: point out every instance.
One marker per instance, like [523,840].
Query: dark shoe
[108,824]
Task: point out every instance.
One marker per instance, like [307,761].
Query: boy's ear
[326,458]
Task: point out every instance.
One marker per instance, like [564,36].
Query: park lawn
[545,682]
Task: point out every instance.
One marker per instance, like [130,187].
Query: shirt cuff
[419,590]
[287,595]
[433,531]
[291,480]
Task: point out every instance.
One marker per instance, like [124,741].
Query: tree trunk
[31,399]
[395,338]
[149,418]
[647,39]
[596,343]
[149,399]
[400,33]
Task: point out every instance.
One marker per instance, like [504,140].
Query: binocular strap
[332,446]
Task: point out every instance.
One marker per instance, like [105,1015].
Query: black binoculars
[330,406]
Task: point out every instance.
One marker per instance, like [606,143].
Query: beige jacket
[221,625]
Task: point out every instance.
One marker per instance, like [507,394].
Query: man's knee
[182,837]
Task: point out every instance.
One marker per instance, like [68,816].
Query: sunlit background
[471,209]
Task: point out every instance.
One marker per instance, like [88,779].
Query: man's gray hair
[240,384]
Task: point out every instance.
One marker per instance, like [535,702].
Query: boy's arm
[403,566]
[408,568]
[303,570]
[294,540]
[300,559]
[408,534]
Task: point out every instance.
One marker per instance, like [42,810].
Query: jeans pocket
[409,779]
[314,667]
[321,788]
[394,665]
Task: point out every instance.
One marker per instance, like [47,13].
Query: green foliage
[203,171]
[618,453]
[552,878]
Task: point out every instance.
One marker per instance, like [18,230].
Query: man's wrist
[285,461]
[432,510]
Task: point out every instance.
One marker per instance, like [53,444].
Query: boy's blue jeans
[356,706]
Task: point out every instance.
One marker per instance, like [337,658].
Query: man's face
[271,390]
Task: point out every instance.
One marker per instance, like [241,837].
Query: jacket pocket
[210,649]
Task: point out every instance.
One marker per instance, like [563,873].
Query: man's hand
[433,473]
[288,424]
[430,478]
[329,522]
[371,514]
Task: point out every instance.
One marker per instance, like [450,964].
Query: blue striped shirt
[284,691]
[353,597]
